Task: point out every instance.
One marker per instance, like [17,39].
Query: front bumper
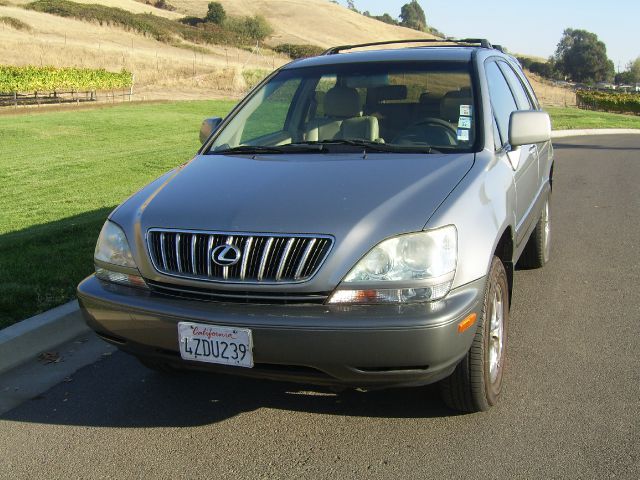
[368,346]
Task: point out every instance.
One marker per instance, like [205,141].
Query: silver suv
[354,221]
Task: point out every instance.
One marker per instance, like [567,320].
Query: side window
[271,115]
[502,100]
[529,89]
[522,99]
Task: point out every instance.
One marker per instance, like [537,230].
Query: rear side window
[502,100]
[522,99]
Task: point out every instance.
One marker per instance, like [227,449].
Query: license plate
[214,344]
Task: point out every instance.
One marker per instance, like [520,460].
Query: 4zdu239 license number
[214,344]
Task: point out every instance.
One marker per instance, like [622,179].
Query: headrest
[450,104]
[387,92]
[342,102]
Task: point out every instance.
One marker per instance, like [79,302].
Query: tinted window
[522,99]
[271,114]
[528,88]
[409,105]
[502,100]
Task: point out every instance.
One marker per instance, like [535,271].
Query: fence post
[15,99]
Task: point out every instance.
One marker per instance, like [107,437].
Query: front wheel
[476,382]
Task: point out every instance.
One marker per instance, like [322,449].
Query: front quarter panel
[481,208]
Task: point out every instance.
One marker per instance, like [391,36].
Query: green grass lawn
[573,118]
[61,173]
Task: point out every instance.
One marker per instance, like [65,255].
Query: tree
[624,78]
[351,5]
[631,75]
[634,69]
[215,13]
[413,16]
[582,57]
[546,69]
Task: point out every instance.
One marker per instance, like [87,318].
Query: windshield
[403,107]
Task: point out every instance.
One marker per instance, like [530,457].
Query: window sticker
[463,135]
[464,122]
[465,110]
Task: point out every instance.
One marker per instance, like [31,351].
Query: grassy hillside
[318,22]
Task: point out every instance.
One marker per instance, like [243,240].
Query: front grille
[264,258]
[226,296]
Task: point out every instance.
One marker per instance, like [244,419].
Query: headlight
[112,250]
[112,246]
[416,267]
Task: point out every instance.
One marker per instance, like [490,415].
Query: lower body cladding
[368,346]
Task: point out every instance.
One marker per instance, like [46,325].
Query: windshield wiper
[262,149]
[374,146]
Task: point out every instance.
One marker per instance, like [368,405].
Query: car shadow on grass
[120,392]
[40,266]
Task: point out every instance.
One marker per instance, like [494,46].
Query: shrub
[164,5]
[254,77]
[15,23]
[608,101]
[299,51]
[215,13]
[191,21]
[254,28]
[386,18]
[30,79]
[525,62]
[544,69]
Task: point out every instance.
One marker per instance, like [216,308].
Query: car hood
[357,199]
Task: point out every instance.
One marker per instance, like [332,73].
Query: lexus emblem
[225,255]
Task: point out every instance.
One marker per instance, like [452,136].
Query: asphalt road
[570,406]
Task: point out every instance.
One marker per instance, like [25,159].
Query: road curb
[28,338]
[593,131]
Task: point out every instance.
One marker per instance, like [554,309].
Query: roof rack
[482,42]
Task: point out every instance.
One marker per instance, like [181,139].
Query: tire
[476,382]
[537,251]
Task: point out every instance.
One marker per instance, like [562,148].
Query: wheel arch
[504,251]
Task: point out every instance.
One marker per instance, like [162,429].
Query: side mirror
[529,126]
[209,125]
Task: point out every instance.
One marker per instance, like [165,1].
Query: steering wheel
[430,130]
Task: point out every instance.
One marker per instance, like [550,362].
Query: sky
[530,27]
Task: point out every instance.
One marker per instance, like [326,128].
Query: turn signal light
[467,322]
